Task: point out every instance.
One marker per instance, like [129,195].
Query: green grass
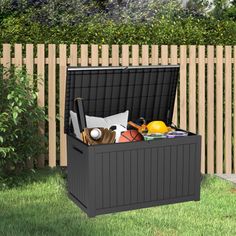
[37,204]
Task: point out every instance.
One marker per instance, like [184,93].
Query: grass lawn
[37,204]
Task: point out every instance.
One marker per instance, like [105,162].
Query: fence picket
[73,55]
[105,55]
[164,54]
[201,101]
[18,55]
[52,103]
[30,59]
[155,53]
[30,70]
[6,60]
[94,55]
[62,88]
[125,55]
[219,109]
[183,87]
[115,55]
[210,109]
[135,55]
[228,110]
[145,55]
[192,89]
[174,61]
[41,96]
[84,55]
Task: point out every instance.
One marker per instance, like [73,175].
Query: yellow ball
[157,127]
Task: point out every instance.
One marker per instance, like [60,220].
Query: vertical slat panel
[185,169]
[210,109]
[183,88]
[30,72]
[145,55]
[174,61]
[125,55]
[94,55]
[120,178]
[155,55]
[6,61]
[154,174]
[74,55]
[30,59]
[127,176]
[115,55]
[234,109]
[84,55]
[18,55]
[228,110]
[167,171]
[135,55]
[201,102]
[134,175]
[105,55]
[192,88]
[41,91]
[164,54]
[219,109]
[113,179]
[192,169]
[141,163]
[160,173]
[179,169]
[173,171]
[62,89]
[52,103]
[147,174]
[106,180]
[99,187]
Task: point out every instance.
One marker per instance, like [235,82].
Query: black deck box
[123,176]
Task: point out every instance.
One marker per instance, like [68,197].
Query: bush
[132,22]
[19,119]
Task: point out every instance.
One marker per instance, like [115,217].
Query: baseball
[96,133]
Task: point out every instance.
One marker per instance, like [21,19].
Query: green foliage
[19,119]
[123,22]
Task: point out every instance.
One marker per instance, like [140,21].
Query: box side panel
[142,175]
[77,170]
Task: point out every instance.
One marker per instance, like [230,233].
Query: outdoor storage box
[123,176]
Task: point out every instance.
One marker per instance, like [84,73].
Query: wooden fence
[205,93]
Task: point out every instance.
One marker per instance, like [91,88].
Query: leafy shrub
[19,119]
[120,22]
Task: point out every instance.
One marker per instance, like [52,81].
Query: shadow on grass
[28,177]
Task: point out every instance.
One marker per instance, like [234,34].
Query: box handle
[77,149]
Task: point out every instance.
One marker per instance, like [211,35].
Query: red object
[130,136]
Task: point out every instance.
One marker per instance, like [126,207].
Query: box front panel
[144,175]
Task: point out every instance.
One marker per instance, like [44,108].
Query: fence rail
[205,95]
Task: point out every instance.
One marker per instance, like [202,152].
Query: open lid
[146,91]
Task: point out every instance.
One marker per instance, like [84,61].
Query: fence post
[41,96]
[228,110]
[174,61]
[210,110]
[62,86]
[201,102]
[219,110]
[52,104]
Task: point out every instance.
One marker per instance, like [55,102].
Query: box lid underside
[147,92]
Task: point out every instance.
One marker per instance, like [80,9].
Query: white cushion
[107,122]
